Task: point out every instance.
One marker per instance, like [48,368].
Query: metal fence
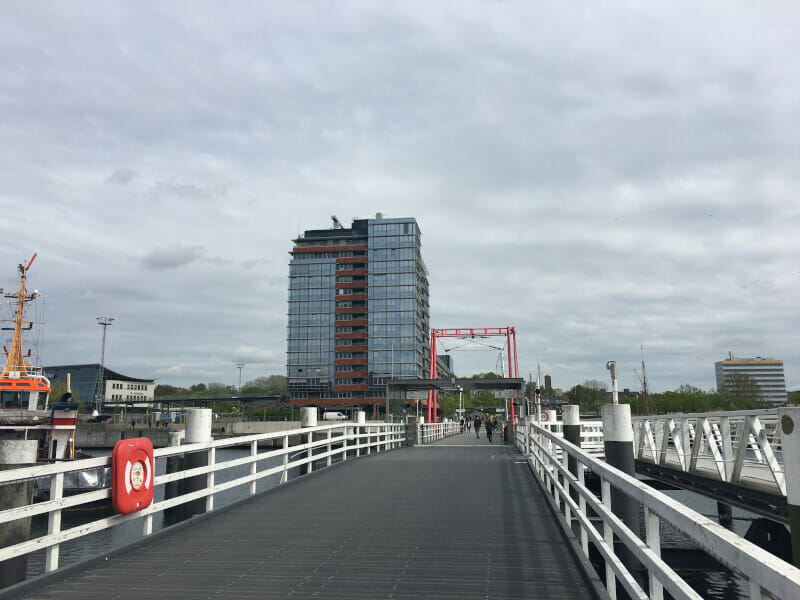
[592,519]
[299,448]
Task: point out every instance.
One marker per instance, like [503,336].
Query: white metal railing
[736,447]
[430,432]
[322,443]
[765,572]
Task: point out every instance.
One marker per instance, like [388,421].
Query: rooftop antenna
[336,223]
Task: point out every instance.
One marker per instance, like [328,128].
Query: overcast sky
[602,177]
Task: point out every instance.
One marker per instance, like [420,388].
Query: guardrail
[430,432]
[724,444]
[322,443]
[570,497]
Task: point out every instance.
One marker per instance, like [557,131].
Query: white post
[330,433]
[54,521]
[253,466]
[285,472]
[308,418]
[789,423]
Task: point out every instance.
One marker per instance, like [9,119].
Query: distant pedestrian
[462,424]
[477,426]
[489,428]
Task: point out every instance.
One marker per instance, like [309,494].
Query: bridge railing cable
[580,508]
[307,448]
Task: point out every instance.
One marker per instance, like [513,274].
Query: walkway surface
[457,519]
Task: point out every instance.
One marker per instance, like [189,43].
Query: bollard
[13,455]
[618,445]
[198,430]
[789,423]
[572,433]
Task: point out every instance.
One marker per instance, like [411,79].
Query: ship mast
[15,361]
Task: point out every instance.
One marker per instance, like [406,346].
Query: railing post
[653,540]
[15,454]
[344,442]
[608,536]
[253,466]
[361,419]
[285,472]
[789,423]
[330,434]
[582,508]
[212,460]
[54,521]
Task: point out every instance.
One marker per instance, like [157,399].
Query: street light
[460,403]
[239,366]
[104,322]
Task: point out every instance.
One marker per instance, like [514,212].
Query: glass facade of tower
[358,312]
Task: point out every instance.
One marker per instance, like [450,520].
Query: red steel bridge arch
[510,333]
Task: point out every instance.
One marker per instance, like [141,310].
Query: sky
[604,176]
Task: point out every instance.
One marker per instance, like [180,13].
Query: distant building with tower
[358,311]
[767,373]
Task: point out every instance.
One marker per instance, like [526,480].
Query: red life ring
[132,472]
[544,416]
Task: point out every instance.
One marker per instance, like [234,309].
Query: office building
[766,372]
[358,312]
[117,388]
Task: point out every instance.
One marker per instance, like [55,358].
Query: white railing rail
[732,446]
[322,443]
[430,432]
[765,572]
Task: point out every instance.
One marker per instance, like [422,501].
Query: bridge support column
[572,433]
[789,423]
[618,446]
[13,455]
[198,430]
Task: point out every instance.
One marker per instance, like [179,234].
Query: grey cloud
[121,176]
[172,257]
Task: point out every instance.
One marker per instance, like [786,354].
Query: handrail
[765,571]
[718,444]
[334,440]
[430,432]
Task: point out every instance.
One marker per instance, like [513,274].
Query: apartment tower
[358,311]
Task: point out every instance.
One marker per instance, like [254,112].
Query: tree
[198,388]
[163,390]
[272,385]
[743,386]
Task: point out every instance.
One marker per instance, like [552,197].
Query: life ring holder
[132,475]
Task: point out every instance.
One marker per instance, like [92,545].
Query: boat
[25,409]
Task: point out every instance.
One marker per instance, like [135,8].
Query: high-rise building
[767,373]
[358,311]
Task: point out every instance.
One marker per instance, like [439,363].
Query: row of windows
[310,319]
[393,291]
[389,342]
[391,330]
[310,294]
[391,228]
[398,356]
[309,358]
[391,317]
[311,281]
[309,332]
[308,371]
[319,268]
[393,266]
[128,386]
[317,255]
[393,279]
[393,241]
[391,254]
[324,306]
[392,304]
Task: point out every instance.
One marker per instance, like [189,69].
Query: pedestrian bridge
[374,517]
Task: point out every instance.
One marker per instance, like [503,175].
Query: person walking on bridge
[477,424]
[489,428]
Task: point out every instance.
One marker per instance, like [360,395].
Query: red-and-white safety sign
[544,416]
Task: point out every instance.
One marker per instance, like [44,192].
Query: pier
[395,510]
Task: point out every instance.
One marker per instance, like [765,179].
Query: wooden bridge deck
[456,519]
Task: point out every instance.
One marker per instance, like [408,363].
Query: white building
[766,372]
